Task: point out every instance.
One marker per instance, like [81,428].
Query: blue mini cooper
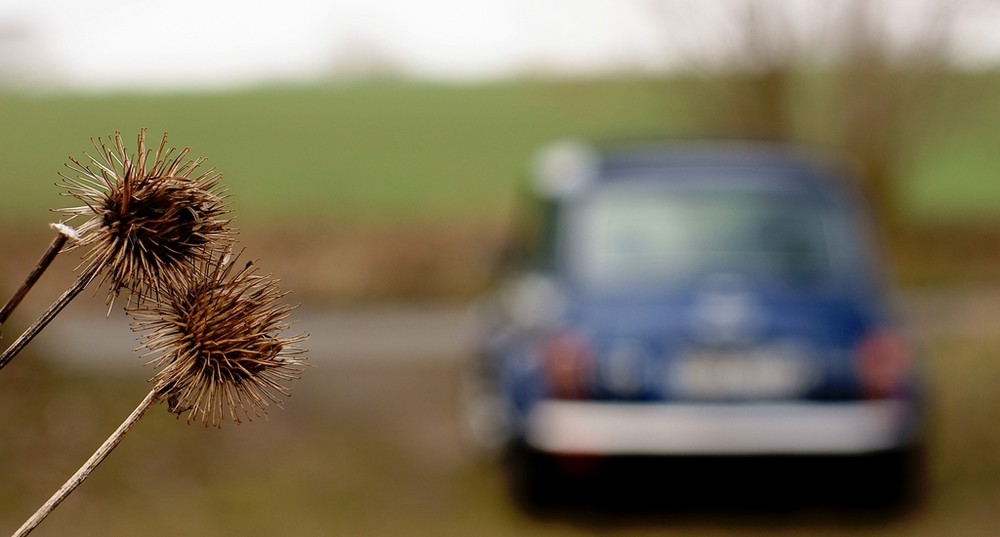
[710,300]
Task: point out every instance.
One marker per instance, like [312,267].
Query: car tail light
[883,364]
[566,359]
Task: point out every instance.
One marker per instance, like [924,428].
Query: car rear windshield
[642,235]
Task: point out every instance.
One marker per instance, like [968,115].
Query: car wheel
[533,477]
[893,480]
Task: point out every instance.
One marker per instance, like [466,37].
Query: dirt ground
[368,443]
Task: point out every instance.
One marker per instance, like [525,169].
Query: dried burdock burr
[219,348]
[217,342]
[147,218]
[157,228]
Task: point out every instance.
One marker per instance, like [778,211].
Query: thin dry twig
[65,232]
[152,398]
[81,283]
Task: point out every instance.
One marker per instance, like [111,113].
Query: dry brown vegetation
[367,447]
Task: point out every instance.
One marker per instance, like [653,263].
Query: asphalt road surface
[82,335]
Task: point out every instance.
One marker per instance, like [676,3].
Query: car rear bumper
[800,428]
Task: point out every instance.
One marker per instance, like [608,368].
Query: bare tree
[879,78]
[886,82]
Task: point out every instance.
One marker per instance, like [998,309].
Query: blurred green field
[407,151]
[374,151]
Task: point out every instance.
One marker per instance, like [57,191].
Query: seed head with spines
[149,217]
[217,342]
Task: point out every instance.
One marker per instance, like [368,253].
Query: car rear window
[643,235]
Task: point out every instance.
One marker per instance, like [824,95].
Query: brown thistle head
[217,342]
[148,216]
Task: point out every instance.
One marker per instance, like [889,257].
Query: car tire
[893,481]
[534,479]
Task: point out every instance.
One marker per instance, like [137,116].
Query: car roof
[567,167]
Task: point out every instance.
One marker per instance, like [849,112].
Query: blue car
[713,300]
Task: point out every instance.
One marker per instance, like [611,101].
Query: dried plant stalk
[81,283]
[222,353]
[151,399]
[43,263]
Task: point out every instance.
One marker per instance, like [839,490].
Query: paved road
[82,335]
[436,332]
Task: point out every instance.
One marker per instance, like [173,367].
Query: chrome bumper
[800,428]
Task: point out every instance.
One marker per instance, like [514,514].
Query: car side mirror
[531,301]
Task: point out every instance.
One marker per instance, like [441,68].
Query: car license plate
[765,373]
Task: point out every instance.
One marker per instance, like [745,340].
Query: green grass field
[410,184]
[398,151]
[371,151]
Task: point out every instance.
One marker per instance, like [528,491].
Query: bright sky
[183,43]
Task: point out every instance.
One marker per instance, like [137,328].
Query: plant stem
[50,313]
[152,398]
[29,282]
